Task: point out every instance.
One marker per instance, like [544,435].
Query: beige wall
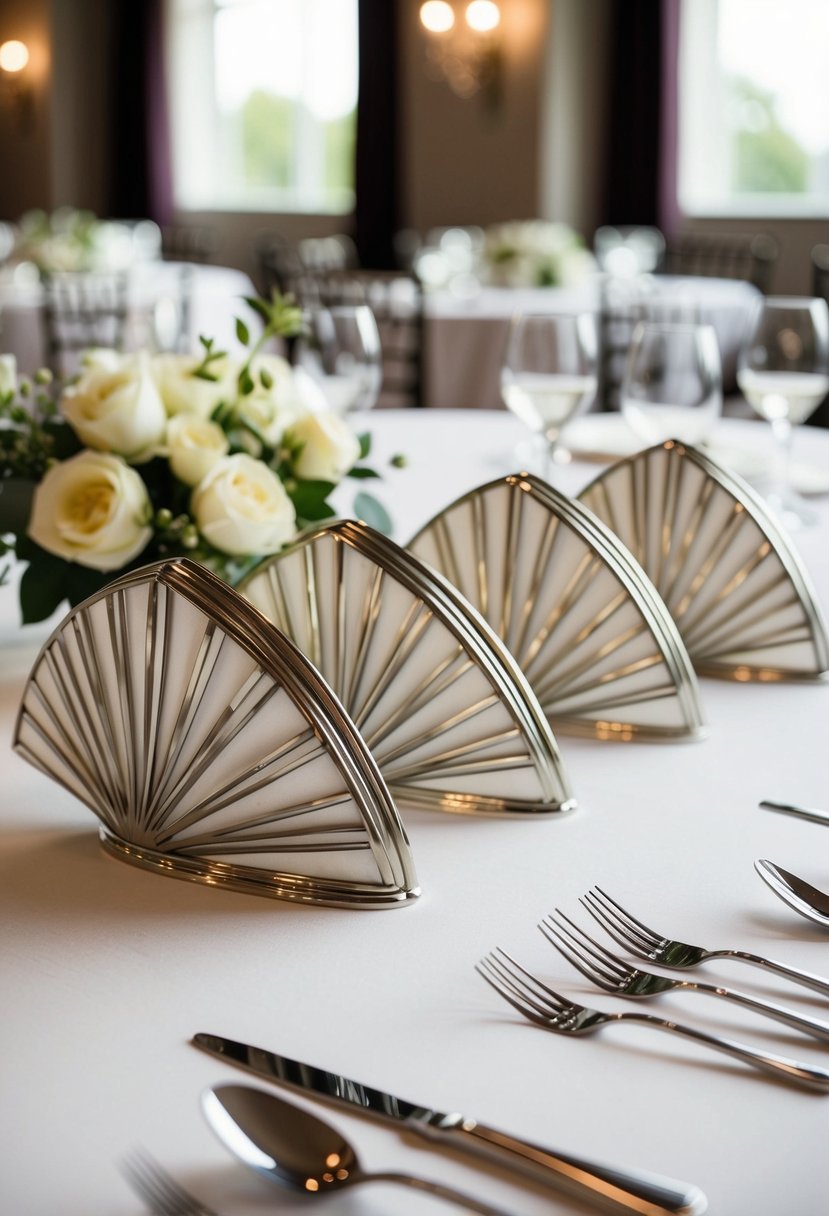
[25,138]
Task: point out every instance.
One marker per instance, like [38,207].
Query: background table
[465,337]
[108,970]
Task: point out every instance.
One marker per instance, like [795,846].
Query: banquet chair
[396,299]
[278,262]
[189,243]
[724,256]
[83,310]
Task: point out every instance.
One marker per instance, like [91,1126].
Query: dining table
[109,970]
[465,332]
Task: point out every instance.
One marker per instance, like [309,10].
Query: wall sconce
[14,56]
[463,45]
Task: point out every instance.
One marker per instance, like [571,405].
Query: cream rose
[330,448]
[92,509]
[274,408]
[241,507]
[102,359]
[194,445]
[118,411]
[8,374]
[184,393]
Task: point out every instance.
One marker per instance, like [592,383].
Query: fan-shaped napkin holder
[727,571]
[441,704]
[583,621]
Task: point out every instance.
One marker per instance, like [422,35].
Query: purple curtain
[642,129]
[141,176]
[377,208]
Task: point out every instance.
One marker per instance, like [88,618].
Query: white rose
[92,509]
[102,359]
[241,507]
[8,374]
[117,411]
[194,445]
[182,392]
[330,447]
[273,409]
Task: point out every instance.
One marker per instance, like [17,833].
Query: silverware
[291,1146]
[609,972]
[617,1190]
[646,943]
[796,892]
[546,1007]
[802,812]
[158,1189]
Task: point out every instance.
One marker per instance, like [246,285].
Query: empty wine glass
[341,353]
[672,384]
[549,374]
[783,372]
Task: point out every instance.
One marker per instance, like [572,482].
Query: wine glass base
[533,456]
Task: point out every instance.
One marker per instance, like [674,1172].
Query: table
[215,299]
[108,970]
[464,337]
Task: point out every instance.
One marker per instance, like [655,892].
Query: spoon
[796,892]
[298,1150]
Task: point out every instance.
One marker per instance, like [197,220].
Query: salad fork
[647,943]
[545,1007]
[161,1193]
[607,971]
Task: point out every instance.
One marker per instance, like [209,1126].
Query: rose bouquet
[147,456]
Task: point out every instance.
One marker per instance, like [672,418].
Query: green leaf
[365,444]
[81,582]
[42,588]
[309,499]
[15,504]
[372,512]
[258,306]
[201,373]
[242,331]
[246,385]
[361,471]
[266,378]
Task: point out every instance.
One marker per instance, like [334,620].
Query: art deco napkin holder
[582,619]
[210,748]
[440,703]
[730,576]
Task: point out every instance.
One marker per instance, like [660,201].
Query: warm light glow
[483,16]
[14,56]
[436,16]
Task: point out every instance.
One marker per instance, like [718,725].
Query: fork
[647,943]
[161,1193]
[545,1007]
[607,971]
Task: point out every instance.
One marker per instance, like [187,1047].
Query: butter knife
[609,1188]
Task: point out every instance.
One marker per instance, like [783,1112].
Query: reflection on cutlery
[614,1189]
[645,943]
[291,1146]
[796,892]
[161,1193]
[607,971]
[803,812]
[546,1007]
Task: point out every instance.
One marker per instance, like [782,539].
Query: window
[263,98]
[754,108]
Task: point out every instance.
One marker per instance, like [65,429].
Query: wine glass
[672,384]
[549,373]
[783,372]
[341,353]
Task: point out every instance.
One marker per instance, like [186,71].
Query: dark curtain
[376,163]
[140,182]
[641,151]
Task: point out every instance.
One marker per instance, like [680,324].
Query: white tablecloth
[216,297]
[107,970]
[464,338]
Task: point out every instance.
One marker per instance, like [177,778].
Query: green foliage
[270,126]
[767,158]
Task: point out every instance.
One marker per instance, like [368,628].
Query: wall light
[14,57]
[463,45]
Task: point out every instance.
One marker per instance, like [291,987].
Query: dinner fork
[606,970]
[161,1193]
[647,943]
[543,1005]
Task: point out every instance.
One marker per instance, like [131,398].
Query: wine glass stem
[783,432]
[550,444]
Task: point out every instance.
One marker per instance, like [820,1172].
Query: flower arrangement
[69,239]
[535,253]
[146,456]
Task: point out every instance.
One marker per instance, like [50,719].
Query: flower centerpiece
[144,456]
[535,253]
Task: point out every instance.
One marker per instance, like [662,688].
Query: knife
[612,1189]
[804,812]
